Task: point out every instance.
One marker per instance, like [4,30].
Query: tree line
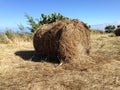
[47,19]
[111,28]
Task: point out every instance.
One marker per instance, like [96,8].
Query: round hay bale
[64,40]
[117,32]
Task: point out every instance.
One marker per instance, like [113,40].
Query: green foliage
[109,28]
[51,18]
[21,27]
[44,19]
[89,26]
[118,26]
[33,24]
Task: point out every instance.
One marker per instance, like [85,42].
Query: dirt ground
[18,72]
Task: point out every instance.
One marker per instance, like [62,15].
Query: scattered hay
[65,40]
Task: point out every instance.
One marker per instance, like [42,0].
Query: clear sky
[89,11]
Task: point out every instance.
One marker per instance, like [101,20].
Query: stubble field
[18,72]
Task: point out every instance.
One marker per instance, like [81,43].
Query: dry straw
[65,40]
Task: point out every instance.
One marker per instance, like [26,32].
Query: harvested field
[17,72]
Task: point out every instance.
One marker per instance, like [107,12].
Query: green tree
[21,27]
[44,19]
[109,28]
[118,26]
[34,24]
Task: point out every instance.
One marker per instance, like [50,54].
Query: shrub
[117,32]
[109,28]
[44,19]
[10,34]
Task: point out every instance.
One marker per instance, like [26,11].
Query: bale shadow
[29,55]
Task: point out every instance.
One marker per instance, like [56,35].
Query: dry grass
[17,72]
[64,40]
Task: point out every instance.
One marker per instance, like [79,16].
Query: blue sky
[89,11]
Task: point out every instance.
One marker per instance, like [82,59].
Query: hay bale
[117,32]
[65,40]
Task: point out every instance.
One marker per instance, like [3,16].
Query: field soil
[19,72]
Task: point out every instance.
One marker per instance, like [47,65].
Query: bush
[117,32]
[109,28]
[10,34]
[44,19]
